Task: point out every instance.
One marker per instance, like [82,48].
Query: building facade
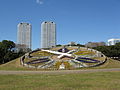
[48,34]
[95,44]
[24,36]
[113,41]
[72,43]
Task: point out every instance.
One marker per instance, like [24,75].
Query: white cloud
[39,1]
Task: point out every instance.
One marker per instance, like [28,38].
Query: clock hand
[59,53]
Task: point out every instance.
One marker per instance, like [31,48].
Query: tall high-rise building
[24,36]
[48,34]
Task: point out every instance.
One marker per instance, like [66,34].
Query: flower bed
[87,60]
[38,61]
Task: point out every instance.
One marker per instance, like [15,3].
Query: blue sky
[77,20]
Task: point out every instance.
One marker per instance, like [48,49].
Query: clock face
[64,58]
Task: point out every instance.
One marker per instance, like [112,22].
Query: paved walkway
[3,72]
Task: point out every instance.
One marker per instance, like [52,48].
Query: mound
[63,58]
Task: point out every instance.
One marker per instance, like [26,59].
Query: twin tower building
[48,35]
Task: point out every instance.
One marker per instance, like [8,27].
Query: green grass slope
[13,65]
[110,64]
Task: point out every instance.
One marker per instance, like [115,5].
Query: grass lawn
[83,81]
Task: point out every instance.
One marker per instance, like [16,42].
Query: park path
[3,72]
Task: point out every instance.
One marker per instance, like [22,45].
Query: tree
[58,45]
[110,51]
[7,51]
[80,45]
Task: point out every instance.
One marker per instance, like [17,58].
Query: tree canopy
[110,51]
[7,51]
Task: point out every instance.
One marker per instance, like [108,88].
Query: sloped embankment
[13,65]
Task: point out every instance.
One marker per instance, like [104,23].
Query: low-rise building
[95,44]
[113,41]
